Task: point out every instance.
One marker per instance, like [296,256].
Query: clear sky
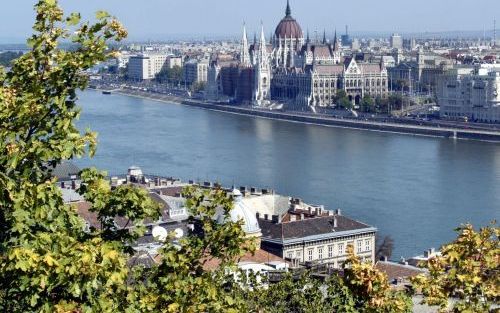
[161,19]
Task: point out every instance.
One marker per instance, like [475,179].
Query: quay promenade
[401,128]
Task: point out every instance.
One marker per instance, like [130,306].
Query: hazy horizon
[151,20]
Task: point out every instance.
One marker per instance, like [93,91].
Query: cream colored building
[146,66]
[304,233]
[472,93]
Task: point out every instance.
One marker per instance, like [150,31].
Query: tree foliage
[48,261]
[342,100]
[361,288]
[172,75]
[468,270]
[367,104]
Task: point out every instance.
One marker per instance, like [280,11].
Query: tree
[342,100]
[198,86]
[362,288]
[181,283]
[48,262]
[345,103]
[467,270]
[370,288]
[395,101]
[367,103]
[172,75]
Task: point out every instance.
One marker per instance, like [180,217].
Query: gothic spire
[288,11]
[262,36]
[308,39]
[324,37]
[244,54]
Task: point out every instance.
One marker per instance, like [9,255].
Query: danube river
[416,189]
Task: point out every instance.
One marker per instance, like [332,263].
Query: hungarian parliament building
[293,70]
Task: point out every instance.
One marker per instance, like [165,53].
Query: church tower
[262,73]
[244,50]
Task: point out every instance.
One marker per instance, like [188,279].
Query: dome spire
[288,11]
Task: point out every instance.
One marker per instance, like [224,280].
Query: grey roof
[311,228]
[65,171]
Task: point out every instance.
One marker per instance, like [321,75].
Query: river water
[415,189]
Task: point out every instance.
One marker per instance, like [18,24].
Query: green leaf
[73,19]
[100,15]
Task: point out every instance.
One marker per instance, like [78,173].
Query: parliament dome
[288,26]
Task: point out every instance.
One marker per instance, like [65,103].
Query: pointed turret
[308,39]
[288,11]
[324,37]
[244,51]
[262,45]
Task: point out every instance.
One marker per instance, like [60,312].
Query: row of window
[351,83]
[329,252]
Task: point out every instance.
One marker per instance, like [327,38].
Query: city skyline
[147,21]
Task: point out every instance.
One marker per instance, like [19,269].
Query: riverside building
[470,93]
[301,73]
[283,227]
[147,65]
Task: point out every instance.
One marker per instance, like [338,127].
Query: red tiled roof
[329,69]
[397,271]
[260,256]
[371,68]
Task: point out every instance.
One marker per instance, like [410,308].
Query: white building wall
[470,93]
[333,251]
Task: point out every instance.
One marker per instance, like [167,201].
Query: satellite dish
[160,233]
[178,233]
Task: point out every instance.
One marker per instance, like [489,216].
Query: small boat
[106,92]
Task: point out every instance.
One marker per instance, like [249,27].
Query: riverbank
[454,133]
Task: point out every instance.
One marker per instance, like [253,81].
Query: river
[415,189]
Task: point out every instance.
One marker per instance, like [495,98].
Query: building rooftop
[302,224]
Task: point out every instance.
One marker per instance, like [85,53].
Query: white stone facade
[470,93]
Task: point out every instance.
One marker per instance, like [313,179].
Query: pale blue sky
[160,19]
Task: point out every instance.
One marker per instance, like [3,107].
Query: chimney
[338,212]
[384,259]
[335,222]
[310,210]
[277,218]
[266,217]
[302,216]
[257,215]
[316,211]
[330,213]
[73,185]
